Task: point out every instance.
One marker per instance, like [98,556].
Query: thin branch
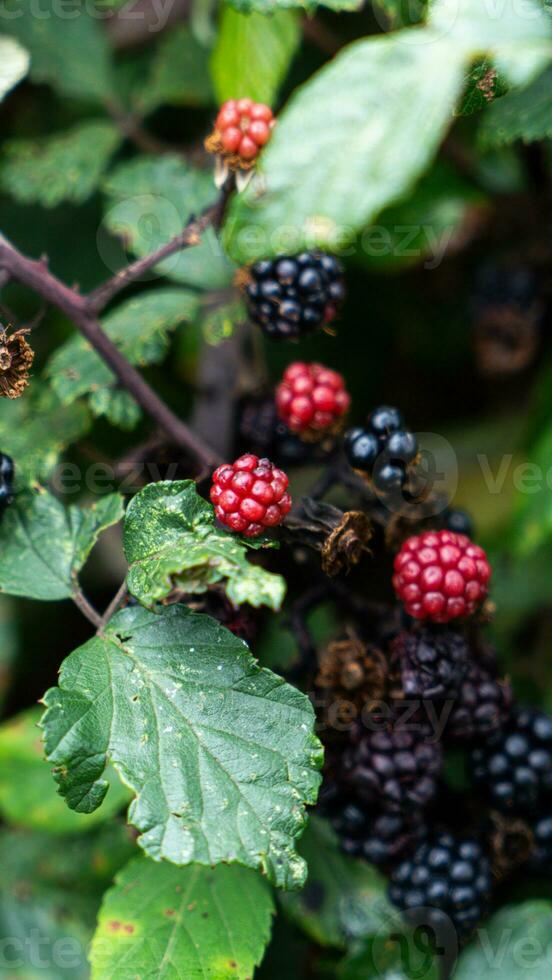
[86,608]
[113,606]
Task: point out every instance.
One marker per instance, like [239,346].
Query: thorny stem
[84,310]
[86,608]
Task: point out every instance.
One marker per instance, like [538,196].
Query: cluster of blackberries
[7,474]
[290,296]
[383,449]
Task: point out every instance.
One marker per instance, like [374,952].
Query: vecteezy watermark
[156,16]
[40,952]
[414,715]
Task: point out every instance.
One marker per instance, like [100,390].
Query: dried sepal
[16,360]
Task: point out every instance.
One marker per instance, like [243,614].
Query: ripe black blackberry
[449,879]
[513,768]
[290,296]
[395,767]
[383,449]
[379,837]
[541,859]
[432,661]
[481,707]
[459,521]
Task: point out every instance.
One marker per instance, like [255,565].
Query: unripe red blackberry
[432,661]
[250,495]
[448,881]
[513,768]
[396,768]
[481,706]
[311,398]
[242,128]
[441,576]
[290,296]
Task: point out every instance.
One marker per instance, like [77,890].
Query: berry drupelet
[432,661]
[541,858]
[383,449]
[395,768]
[311,398]
[441,576]
[242,128]
[290,296]
[380,837]
[448,880]
[513,768]
[250,495]
[481,707]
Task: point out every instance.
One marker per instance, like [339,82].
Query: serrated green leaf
[14,64]
[65,167]
[253,53]
[150,200]
[515,943]
[171,540]
[179,73]
[43,545]
[524,114]
[306,192]
[35,429]
[68,47]
[117,405]
[219,324]
[344,900]
[483,85]
[220,753]
[191,923]
[50,891]
[140,327]
[327,173]
[28,795]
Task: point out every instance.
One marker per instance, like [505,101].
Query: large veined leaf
[28,795]
[358,135]
[514,944]
[65,167]
[14,64]
[140,327]
[68,46]
[50,892]
[344,900]
[43,544]
[524,114]
[150,200]
[220,753]
[179,73]
[171,540]
[35,429]
[182,923]
[253,53]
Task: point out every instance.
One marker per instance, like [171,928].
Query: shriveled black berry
[292,295]
[384,420]
[459,521]
[396,768]
[432,661]
[513,768]
[481,706]
[450,879]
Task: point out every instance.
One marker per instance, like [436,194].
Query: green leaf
[140,327]
[532,520]
[50,892]
[524,114]
[313,189]
[484,84]
[344,900]
[397,953]
[117,405]
[515,943]
[69,52]
[35,429]
[219,323]
[43,545]
[269,6]
[253,53]
[14,64]
[65,167]
[171,540]
[326,172]
[9,644]
[400,13]
[179,73]
[177,923]
[221,754]
[28,796]
[150,200]
[427,226]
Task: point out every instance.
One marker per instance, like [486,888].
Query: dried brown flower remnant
[350,669]
[511,843]
[16,359]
